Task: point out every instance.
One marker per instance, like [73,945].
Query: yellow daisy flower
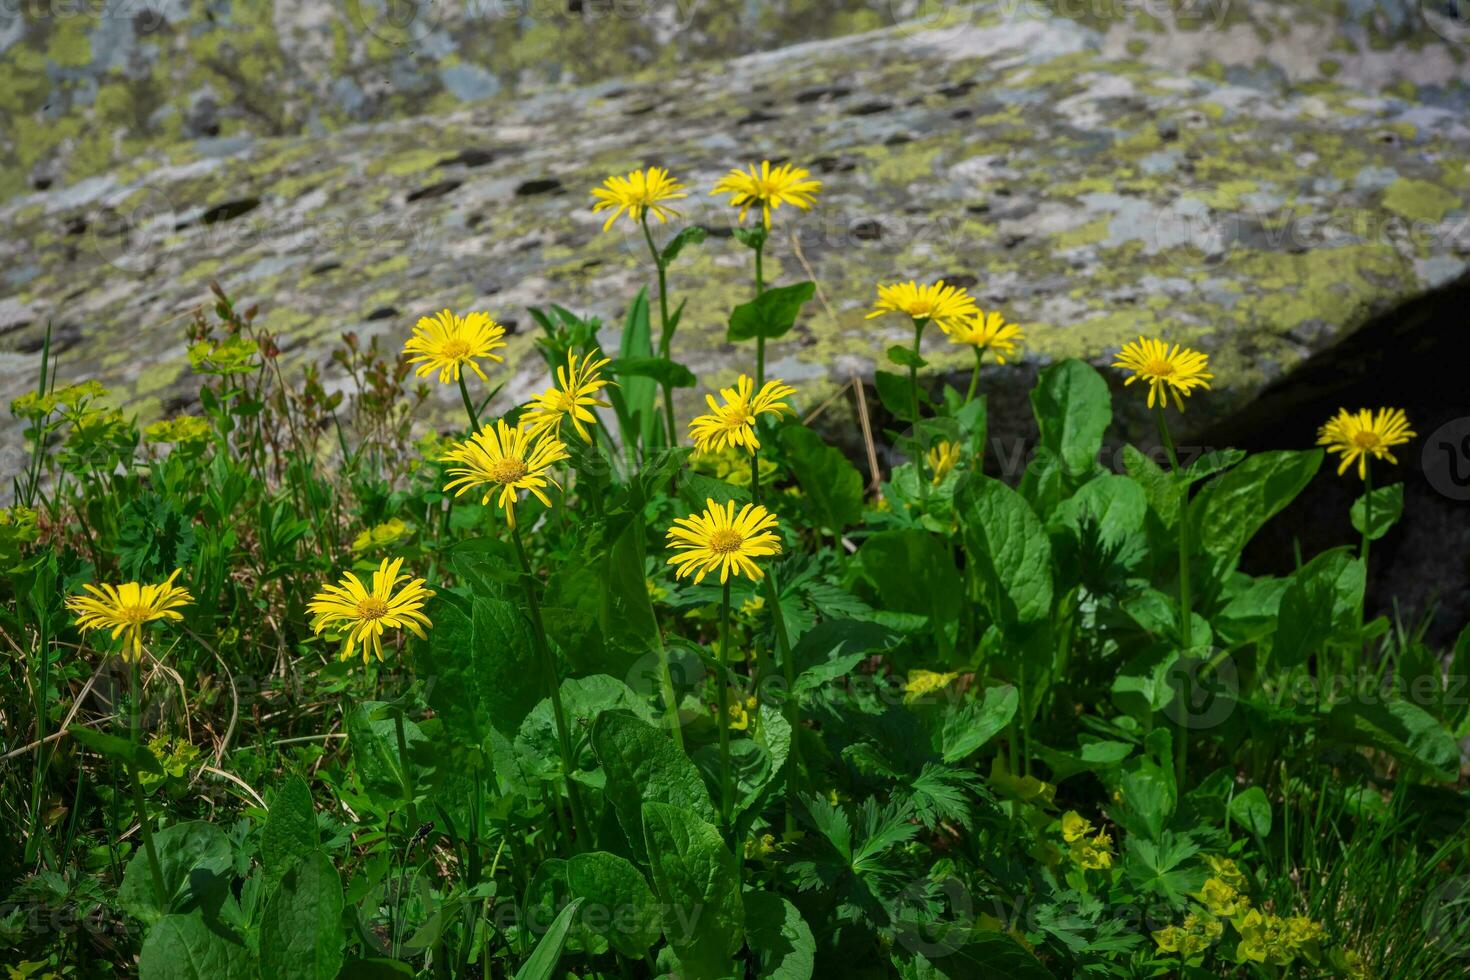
[506,460]
[733,423]
[947,307]
[1177,371]
[572,397]
[366,613]
[720,538]
[942,458]
[988,331]
[640,192]
[769,187]
[446,343]
[1358,435]
[126,609]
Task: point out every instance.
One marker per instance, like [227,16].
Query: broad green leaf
[779,937]
[1009,549]
[1319,604]
[1116,505]
[1387,507]
[196,861]
[583,699]
[830,482]
[185,947]
[374,743]
[643,763]
[482,670]
[617,903]
[986,954]
[301,934]
[633,399]
[697,490]
[913,572]
[1403,730]
[831,648]
[771,314]
[134,755]
[896,395]
[692,235]
[541,964]
[1159,867]
[660,369]
[289,833]
[699,885]
[905,357]
[968,726]
[1232,507]
[1073,409]
[1252,811]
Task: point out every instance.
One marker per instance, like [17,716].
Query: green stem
[135,710]
[760,340]
[404,782]
[975,376]
[755,475]
[723,682]
[919,462]
[469,405]
[665,337]
[1186,616]
[671,697]
[791,707]
[543,649]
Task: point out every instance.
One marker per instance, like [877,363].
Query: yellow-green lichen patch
[1419,200]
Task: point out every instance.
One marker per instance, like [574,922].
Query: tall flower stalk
[1175,372]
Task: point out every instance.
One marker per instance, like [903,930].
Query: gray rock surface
[1069,170]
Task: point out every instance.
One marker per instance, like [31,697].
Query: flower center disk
[372,608]
[724,541]
[507,470]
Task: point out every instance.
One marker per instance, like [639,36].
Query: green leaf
[771,314]
[289,833]
[692,235]
[1073,410]
[1116,504]
[633,400]
[541,964]
[481,671]
[1403,730]
[1158,868]
[779,937]
[905,357]
[643,763]
[617,903]
[133,755]
[301,934]
[195,858]
[696,490]
[1252,811]
[830,482]
[185,947]
[1320,603]
[1388,506]
[1009,549]
[583,700]
[913,572]
[831,648]
[699,884]
[896,395]
[1231,508]
[374,744]
[968,726]
[660,369]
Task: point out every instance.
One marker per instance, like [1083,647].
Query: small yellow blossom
[924,682]
[988,331]
[641,192]
[721,539]
[179,429]
[768,188]
[733,423]
[942,458]
[447,343]
[126,609]
[1177,371]
[947,307]
[506,461]
[1358,435]
[1221,899]
[367,613]
[1075,826]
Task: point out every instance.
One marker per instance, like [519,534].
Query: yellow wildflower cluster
[380,536]
[180,429]
[924,682]
[1088,850]
[1264,937]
